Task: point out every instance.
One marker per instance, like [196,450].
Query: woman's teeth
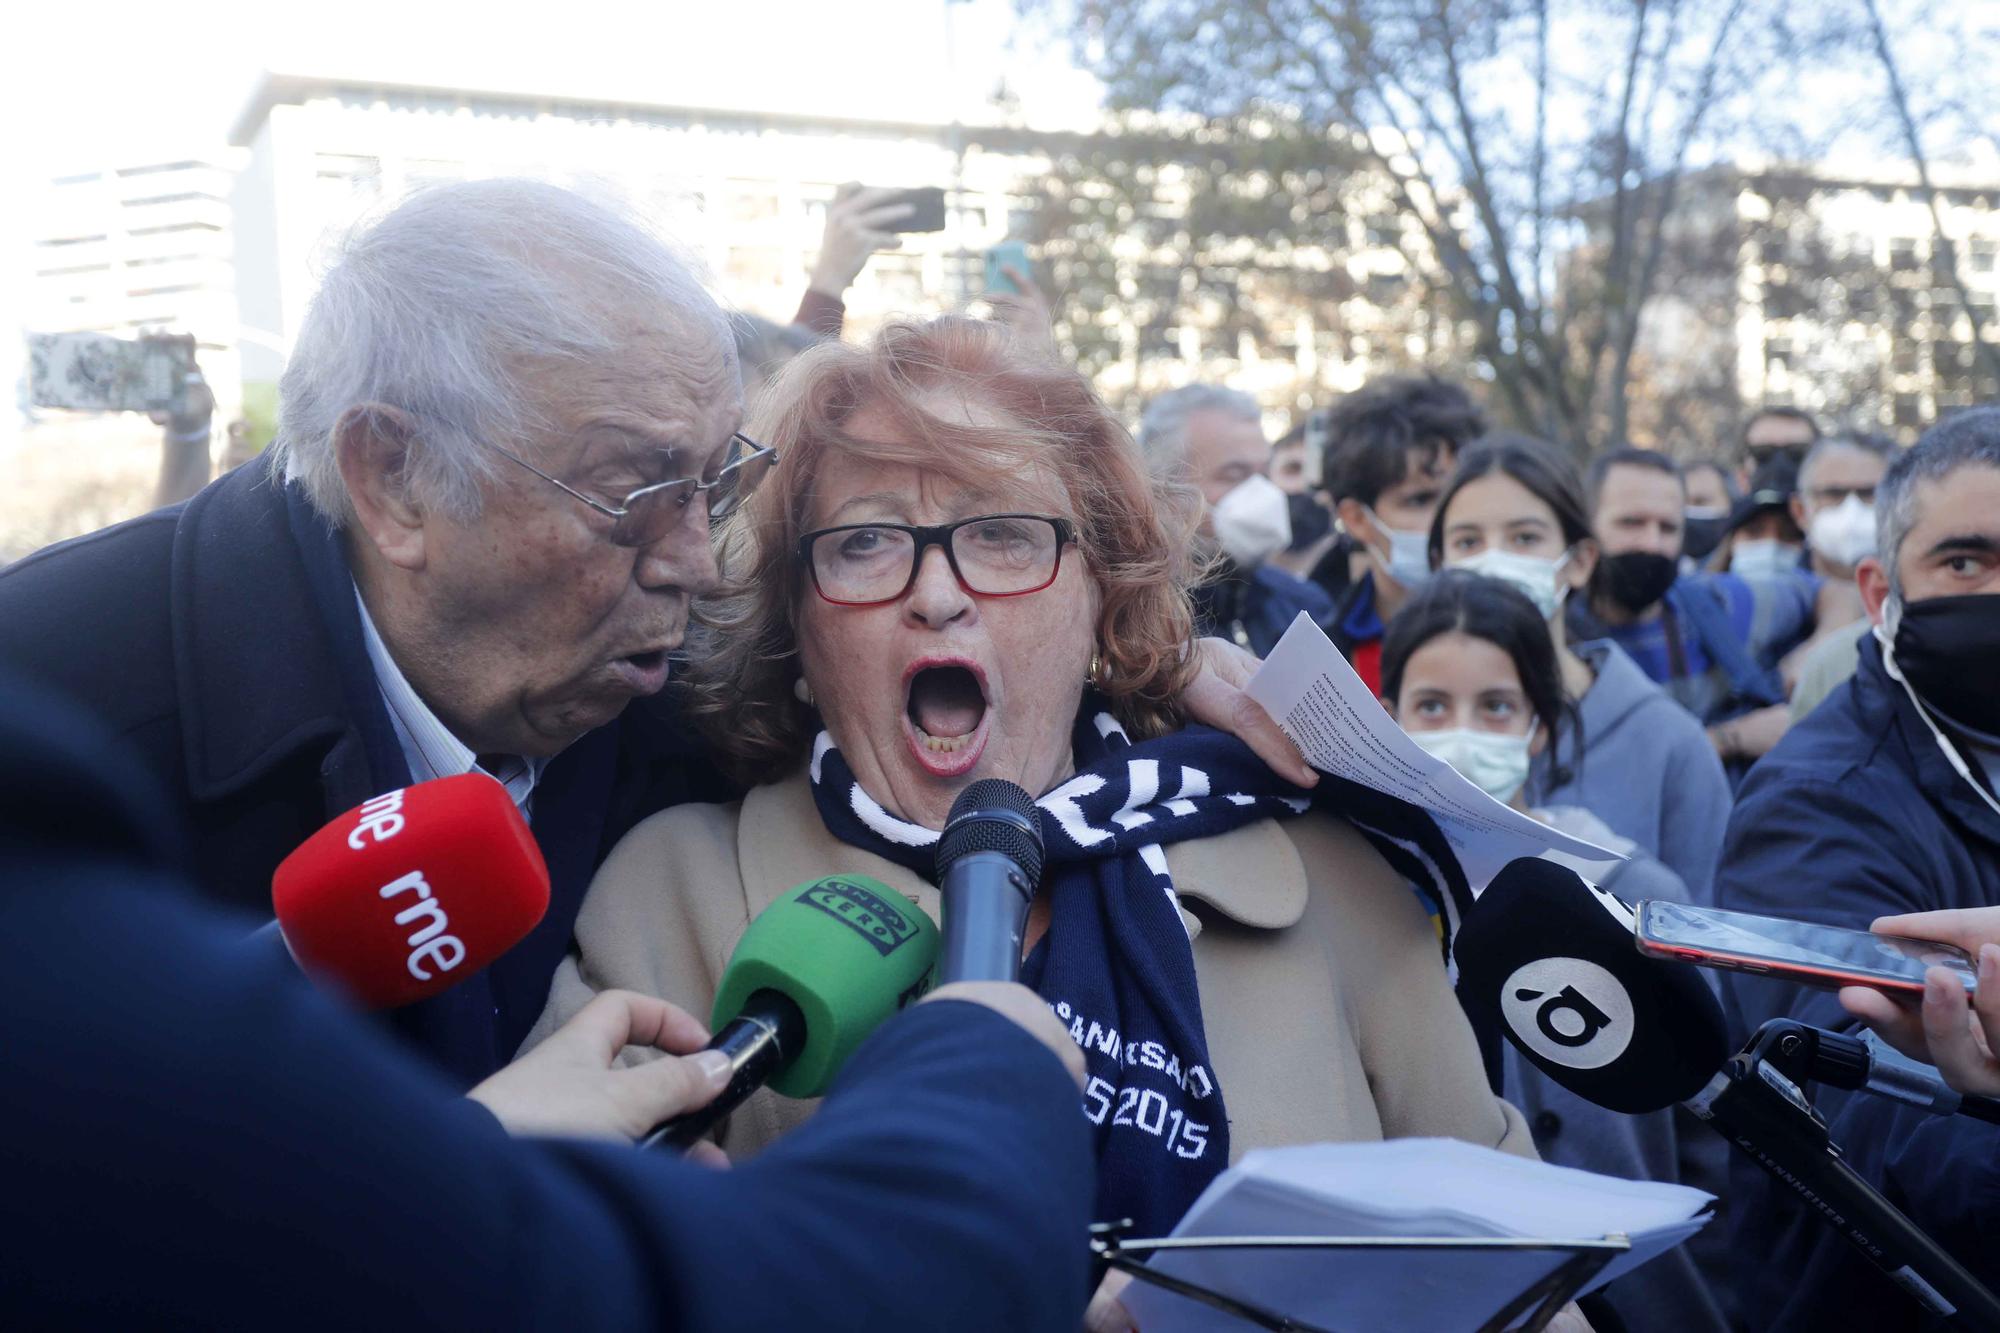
[941,744]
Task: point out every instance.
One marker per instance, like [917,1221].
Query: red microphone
[412,891]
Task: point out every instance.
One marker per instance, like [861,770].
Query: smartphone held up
[1825,957]
[95,372]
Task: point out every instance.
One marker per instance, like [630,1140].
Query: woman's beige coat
[1326,1007]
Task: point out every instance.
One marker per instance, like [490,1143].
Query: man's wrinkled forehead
[674,380]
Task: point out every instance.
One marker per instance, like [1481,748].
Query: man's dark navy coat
[221,640]
[1858,814]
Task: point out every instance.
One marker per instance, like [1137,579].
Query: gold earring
[1094,676]
[802,692]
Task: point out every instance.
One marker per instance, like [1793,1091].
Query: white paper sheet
[1407,1187]
[1343,729]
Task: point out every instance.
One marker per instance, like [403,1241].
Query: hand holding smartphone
[1826,957]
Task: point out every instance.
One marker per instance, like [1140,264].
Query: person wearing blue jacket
[1882,801]
[192,1138]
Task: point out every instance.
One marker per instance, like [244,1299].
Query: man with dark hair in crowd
[1774,432]
[1883,801]
[1712,641]
[1390,448]
[1212,439]
[1711,495]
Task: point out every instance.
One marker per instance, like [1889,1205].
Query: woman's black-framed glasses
[647,514]
[993,555]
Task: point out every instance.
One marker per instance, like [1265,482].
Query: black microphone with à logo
[1551,959]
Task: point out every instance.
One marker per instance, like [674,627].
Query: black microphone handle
[1778,1130]
[760,1041]
[984,905]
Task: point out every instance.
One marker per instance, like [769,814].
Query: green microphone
[814,974]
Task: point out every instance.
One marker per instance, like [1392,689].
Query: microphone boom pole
[1753,1104]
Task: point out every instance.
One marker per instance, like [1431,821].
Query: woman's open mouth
[945,711]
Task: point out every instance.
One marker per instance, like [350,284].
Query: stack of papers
[1342,729]
[1406,1187]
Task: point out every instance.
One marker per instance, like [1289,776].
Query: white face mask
[1538,579]
[1844,534]
[1409,558]
[1495,763]
[1253,522]
[1762,559]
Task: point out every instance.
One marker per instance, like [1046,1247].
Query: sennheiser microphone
[1552,959]
[411,891]
[814,974]
[989,860]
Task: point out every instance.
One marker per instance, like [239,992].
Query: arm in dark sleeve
[191,1138]
[822,314]
[1944,1171]
[1814,850]
[946,1183]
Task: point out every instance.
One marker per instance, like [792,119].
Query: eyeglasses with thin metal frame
[819,546]
[646,514]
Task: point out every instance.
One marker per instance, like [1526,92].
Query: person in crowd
[961,569]
[186,435]
[1761,540]
[860,224]
[1514,510]
[1298,463]
[1956,1032]
[1390,446]
[1711,493]
[1835,506]
[1883,801]
[1711,641]
[1212,438]
[763,347]
[1775,432]
[507,423]
[1470,671]
[194,1138]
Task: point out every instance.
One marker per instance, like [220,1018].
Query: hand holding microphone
[813,976]
[568,1085]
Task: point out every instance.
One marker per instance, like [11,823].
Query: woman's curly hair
[1134,533]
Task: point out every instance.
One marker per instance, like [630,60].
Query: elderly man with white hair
[1212,439]
[506,429]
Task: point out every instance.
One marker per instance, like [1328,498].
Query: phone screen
[1803,951]
[998,260]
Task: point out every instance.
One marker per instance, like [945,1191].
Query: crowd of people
[539,508]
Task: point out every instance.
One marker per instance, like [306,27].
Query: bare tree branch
[1900,103]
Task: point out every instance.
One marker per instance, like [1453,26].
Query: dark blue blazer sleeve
[191,1138]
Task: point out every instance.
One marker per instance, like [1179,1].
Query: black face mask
[1637,579]
[1700,536]
[1311,520]
[1947,647]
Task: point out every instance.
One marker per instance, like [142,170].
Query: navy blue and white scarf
[1116,964]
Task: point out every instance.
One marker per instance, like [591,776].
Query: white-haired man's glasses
[649,513]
